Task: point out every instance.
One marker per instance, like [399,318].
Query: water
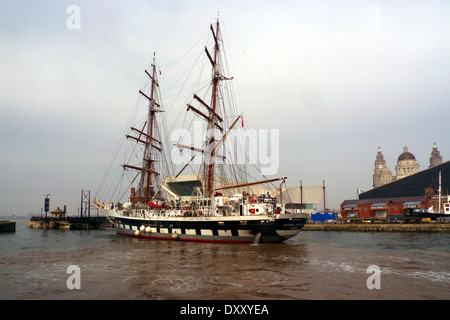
[313,265]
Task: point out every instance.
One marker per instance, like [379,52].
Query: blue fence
[323,216]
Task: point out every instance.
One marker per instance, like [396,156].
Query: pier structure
[7,226]
[59,220]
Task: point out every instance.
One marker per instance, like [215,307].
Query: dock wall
[383,227]
[61,225]
[72,224]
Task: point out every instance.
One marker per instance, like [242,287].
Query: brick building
[382,208]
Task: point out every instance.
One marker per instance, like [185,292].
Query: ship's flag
[242,117]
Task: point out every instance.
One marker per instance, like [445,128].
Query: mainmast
[213,118]
[211,125]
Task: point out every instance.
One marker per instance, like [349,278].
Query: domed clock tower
[436,157]
[381,175]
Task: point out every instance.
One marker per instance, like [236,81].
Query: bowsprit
[246,309]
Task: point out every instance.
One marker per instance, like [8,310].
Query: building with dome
[393,196]
[406,165]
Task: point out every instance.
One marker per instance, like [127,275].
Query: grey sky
[338,78]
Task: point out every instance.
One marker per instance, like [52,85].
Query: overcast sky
[337,78]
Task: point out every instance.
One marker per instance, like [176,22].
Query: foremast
[147,186]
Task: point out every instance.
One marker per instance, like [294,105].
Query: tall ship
[221,201]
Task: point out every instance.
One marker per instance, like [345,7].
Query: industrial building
[302,199]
